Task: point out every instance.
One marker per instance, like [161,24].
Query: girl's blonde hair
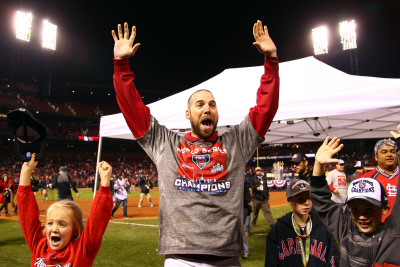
[77,217]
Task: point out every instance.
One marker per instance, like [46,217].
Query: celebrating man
[201,174]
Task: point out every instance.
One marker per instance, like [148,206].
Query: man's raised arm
[263,113]
[136,114]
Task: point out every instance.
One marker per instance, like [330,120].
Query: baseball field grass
[127,243]
[86,193]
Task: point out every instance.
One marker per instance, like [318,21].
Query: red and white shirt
[389,182]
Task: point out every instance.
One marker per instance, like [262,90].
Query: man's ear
[306,163]
[376,158]
[385,209]
[187,114]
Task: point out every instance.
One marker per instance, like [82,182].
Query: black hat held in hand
[29,133]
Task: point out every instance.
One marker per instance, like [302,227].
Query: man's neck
[304,172]
[388,170]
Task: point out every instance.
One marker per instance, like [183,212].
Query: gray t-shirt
[201,189]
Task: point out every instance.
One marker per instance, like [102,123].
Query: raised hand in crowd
[123,47]
[325,153]
[105,171]
[394,134]
[27,170]
[263,42]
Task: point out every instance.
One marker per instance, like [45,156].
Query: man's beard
[203,136]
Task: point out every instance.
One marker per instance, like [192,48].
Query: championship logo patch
[217,168]
[201,160]
[367,188]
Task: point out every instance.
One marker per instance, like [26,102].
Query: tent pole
[257,158]
[96,176]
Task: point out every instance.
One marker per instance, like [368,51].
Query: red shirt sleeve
[136,114]
[332,188]
[96,224]
[28,213]
[264,112]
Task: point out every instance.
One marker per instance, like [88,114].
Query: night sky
[187,42]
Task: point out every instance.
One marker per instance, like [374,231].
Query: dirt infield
[134,212]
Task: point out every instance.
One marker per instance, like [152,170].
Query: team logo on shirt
[217,168]
[201,160]
[202,168]
[391,190]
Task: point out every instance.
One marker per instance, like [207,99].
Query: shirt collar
[192,139]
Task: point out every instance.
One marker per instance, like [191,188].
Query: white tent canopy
[316,100]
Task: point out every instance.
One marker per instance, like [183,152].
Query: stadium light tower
[49,41]
[320,40]
[348,36]
[49,35]
[23,26]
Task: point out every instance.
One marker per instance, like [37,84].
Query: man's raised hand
[394,134]
[327,150]
[123,43]
[263,42]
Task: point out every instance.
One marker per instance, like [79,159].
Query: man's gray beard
[197,131]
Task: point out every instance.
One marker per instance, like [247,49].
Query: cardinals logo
[201,160]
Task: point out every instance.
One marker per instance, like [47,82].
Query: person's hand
[123,43]
[27,170]
[336,191]
[30,165]
[77,195]
[394,134]
[105,171]
[263,42]
[258,188]
[327,150]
